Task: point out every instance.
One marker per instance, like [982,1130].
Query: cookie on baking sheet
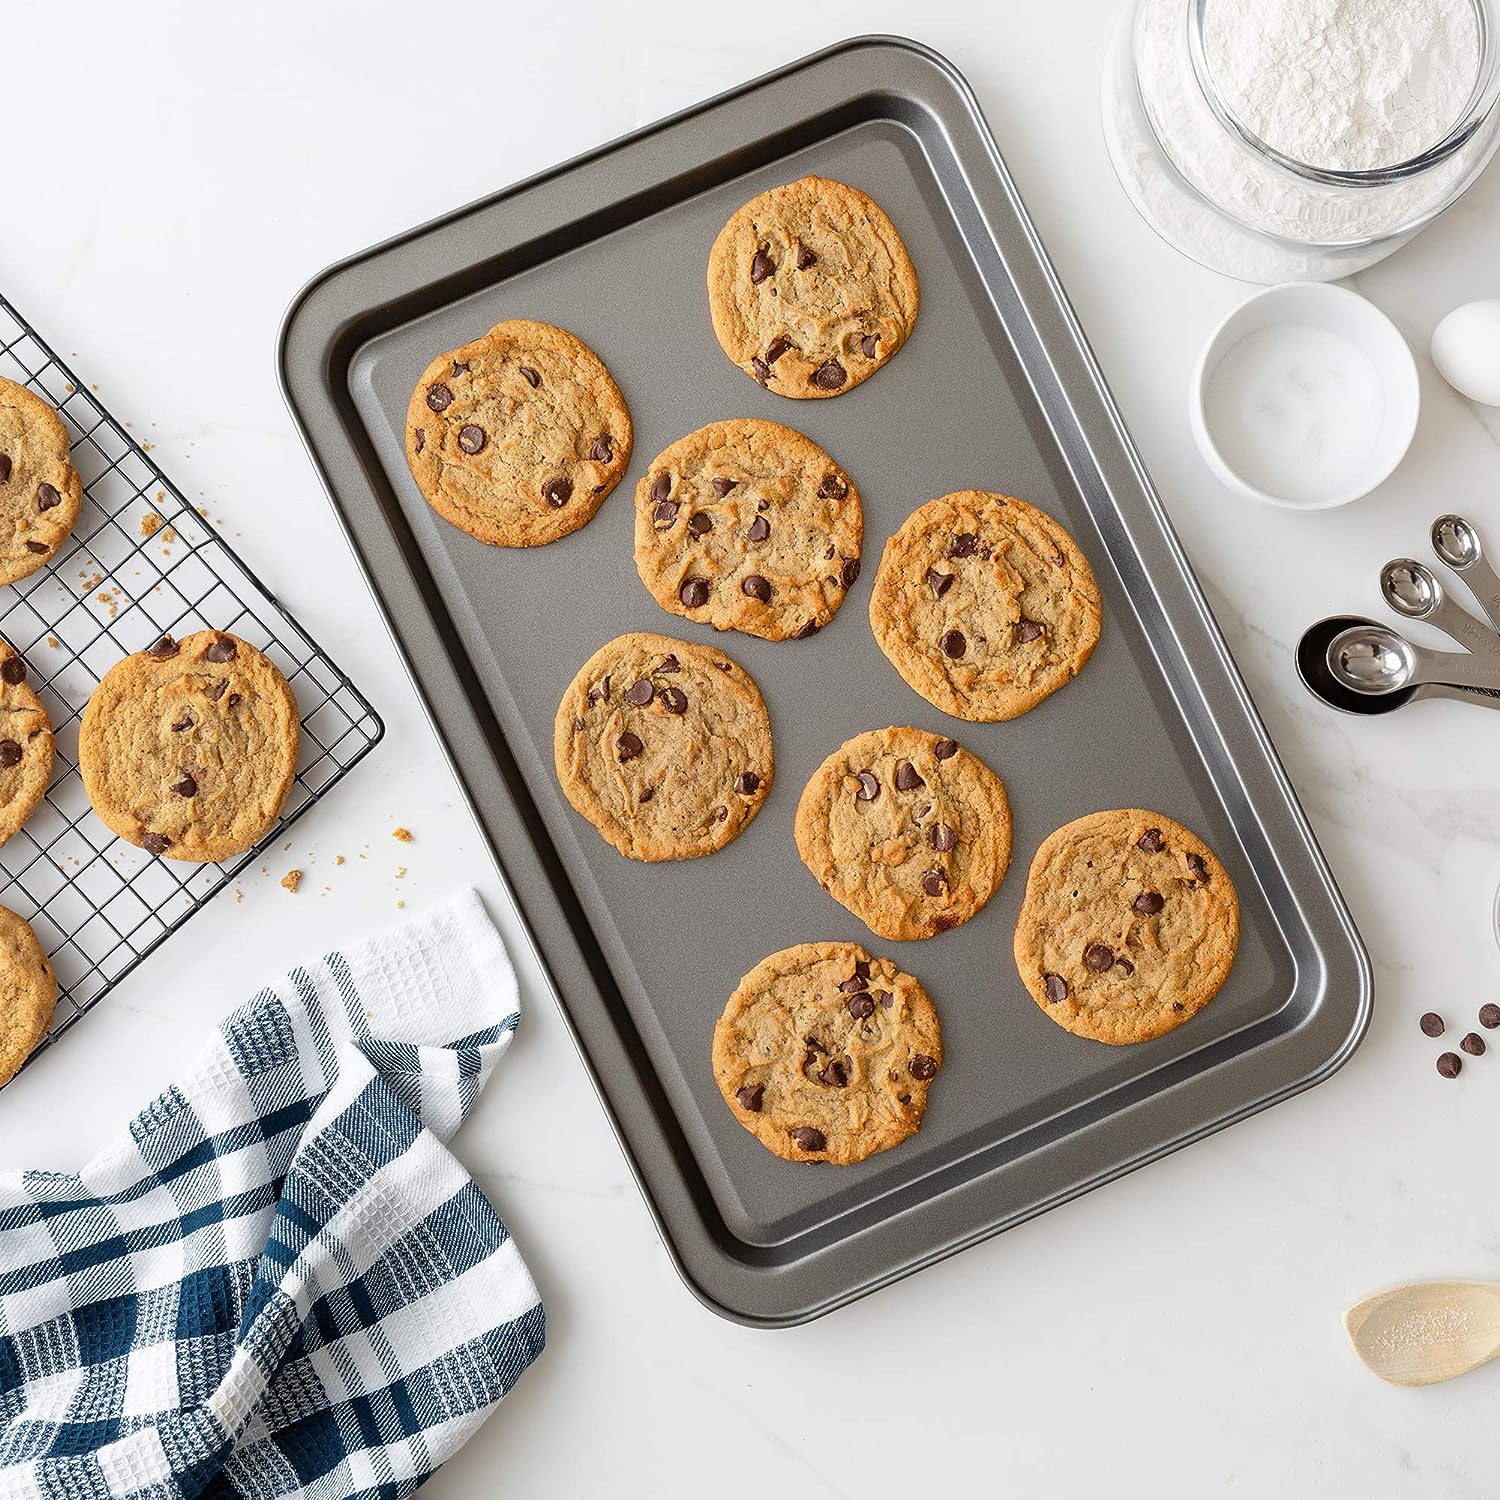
[826,1054]
[810,288]
[188,748]
[907,830]
[664,746]
[26,745]
[984,604]
[28,994]
[1128,926]
[40,490]
[747,525]
[518,437]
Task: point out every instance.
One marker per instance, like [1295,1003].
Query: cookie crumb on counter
[338,859]
[399,905]
[400,872]
[401,835]
[291,880]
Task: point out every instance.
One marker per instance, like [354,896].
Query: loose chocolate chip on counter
[47,497]
[188,786]
[760,529]
[1473,1044]
[673,699]
[849,572]
[531,377]
[1148,903]
[761,266]
[700,523]
[163,649]
[761,370]
[439,397]
[1489,1016]
[661,487]
[603,451]
[221,649]
[953,644]
[4,467]
[934,883]
[834,1075]
[756,587]
[1027,630]
[908,778]
[809,1139]
[869,787]
[939,583]
[629,745]
[811,628]
[750,1097]
[1099,957]
[832,488]
[1151,841]
[665,513]
[471,438]
[640,692]
[867,345]
[861,1006]
[557,492]
[1055,986]
[829,376]
[805,258]
[776,348]
[13,670]
[1432,1024]
[10,753]
[37,547]
[1450,1064]
[747,783]
[945,749]
[942,837]
[156,843]
[922,1067]
[963,544]
[723,486]
[1196,864]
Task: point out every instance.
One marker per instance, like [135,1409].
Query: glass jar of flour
[1282,140]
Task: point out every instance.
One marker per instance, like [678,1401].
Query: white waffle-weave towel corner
[278,1281]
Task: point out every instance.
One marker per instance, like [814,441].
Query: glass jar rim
[1482,99]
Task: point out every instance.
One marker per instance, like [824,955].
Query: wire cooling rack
[141,562]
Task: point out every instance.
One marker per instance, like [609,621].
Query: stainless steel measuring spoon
[1412,589]
[1456,542]
[1375,659]
[1312,668]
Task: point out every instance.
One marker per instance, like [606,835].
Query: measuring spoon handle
[1457,669]
[1468,630]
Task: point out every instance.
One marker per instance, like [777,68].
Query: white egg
[1466,350]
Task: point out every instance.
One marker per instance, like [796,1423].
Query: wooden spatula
[1427,1331]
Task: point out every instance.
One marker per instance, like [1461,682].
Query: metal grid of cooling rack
[141,561]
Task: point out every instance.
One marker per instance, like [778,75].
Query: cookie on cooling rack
[26,745]
[188,749]
[40,490]
[28,994]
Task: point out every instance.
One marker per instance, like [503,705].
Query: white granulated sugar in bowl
[1345,85]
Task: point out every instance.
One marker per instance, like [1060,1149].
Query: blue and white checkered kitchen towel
[278,1282]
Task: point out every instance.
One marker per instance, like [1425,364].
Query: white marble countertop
[173,175]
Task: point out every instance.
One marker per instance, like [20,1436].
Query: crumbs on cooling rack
[401,835]
[151,523]
[291,880]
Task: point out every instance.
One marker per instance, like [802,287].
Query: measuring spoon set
[1360,666]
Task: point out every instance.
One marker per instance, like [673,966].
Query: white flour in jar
[1346,85]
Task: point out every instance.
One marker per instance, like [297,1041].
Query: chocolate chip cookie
[907,830]
[810,288]
[518,437]
[28,994]
[663,746]
[747,525]
[1128,926]
[826,1054]
[40,490]
[26,745]
[984,604]
[188,748]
